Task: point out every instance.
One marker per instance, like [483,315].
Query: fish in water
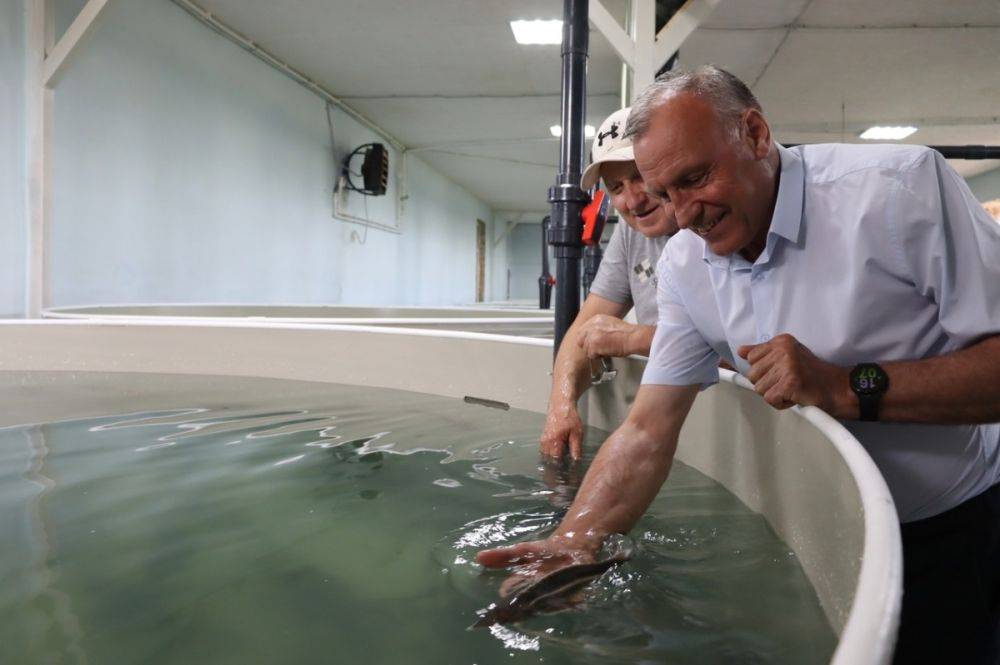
[550,593]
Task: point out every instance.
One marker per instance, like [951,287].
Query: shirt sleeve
[679,355]
[612,277]
[950,247]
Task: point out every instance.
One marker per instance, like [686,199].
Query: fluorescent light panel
[588,131]
[537,32]
[879,133]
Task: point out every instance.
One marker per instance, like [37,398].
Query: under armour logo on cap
[613,133]
[610,145]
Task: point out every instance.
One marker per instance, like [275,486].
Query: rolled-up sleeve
[679,356]
[950,247]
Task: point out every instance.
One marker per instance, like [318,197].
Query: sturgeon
[550,593]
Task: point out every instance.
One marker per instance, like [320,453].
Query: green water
[211,520]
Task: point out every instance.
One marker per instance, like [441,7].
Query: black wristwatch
[869,382]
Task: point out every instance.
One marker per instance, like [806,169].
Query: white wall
[499,240]
[525,260]
[986,186]
[523,253]
[13,164]
[188,170]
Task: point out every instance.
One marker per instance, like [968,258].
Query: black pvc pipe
[951,151]
[566,197]
[592,255]
[968,151]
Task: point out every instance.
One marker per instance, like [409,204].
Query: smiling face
[721,186]
[629,197]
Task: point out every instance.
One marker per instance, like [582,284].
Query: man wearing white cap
[626,278]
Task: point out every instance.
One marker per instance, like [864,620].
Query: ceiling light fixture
[588,131]
[537,32]
[879,133]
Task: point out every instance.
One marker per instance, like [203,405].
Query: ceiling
[448,80]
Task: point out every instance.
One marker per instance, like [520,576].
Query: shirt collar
[786,221]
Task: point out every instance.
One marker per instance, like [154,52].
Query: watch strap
[869,406]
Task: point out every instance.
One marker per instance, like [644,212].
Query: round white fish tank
[802,471]
[520,321]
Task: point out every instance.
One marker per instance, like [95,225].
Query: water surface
[223,520]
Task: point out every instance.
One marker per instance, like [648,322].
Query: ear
[756,133]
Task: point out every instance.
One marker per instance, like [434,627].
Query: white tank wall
[302,313]
[13,155]
[186,170]
[519,322]
[799,468]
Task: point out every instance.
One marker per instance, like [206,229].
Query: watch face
[869,379]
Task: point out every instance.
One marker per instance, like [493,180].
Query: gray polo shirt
[628,271]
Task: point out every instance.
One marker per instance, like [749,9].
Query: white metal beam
[680,26]
[609,27]
[506,232]
[83,25]
[46,62]
[644,18]
[38,99]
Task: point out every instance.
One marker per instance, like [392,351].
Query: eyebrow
[657,192]
[685,174]
[692,170]
[634,173]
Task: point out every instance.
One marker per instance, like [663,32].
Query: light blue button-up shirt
[874,254]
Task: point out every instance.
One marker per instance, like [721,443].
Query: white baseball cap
[610,145]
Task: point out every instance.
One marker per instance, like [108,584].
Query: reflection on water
[236,521]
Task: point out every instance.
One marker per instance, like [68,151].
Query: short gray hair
[727,94]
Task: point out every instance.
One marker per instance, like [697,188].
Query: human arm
[571,378]
[632,464]
[940,241]
[959,387]
[610,297]
[622,481]
[611,337]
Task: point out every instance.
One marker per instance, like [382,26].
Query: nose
[635,195]
[686,210]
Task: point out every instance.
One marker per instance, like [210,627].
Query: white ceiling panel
[755,13]
[448,73]
[378,47]
[745,53]
[514,187]
[902,14]
[432,121]
[884,75]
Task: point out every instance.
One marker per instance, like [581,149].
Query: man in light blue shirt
[874,254]
[864,280]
